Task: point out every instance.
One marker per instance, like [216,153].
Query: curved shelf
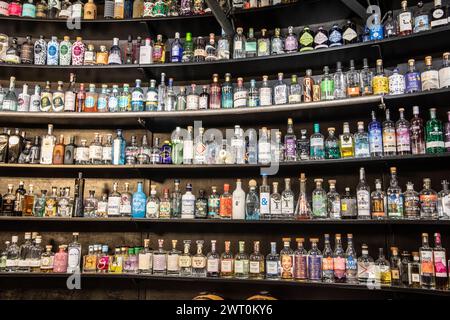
[232,281]
[166,121]
[394,51]
[105,29]
[163,171]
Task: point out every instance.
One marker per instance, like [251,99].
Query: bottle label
[327,264]
[375,140]
[15,9]
[435,144]
[430,80]
[69,101]
[203,103]
[306,40]
[290,43]
[389,144]
[212,265]
[363,203]
[187,207]
[172,262]
[272,268]
[4,8]
[287,205]
[28,10]
[395,205]
[380,85]
[275,207]
[107,153]
[240,99]
[255,267]
[264,203]
[403,140]
[114,206]
[74,258]
[339,267]
[335,38]
[440,264]
[159,262]
[413,82]
[396,84]
[319,206]
[102,104]
[226,266]
[444,77]
[426,262]
[321,40]
[421,23]
[192,102]
[95,152]
[265,96]
[314,267]
[405,21]
[226,207]
[350,35]
[114,58]
[290,145]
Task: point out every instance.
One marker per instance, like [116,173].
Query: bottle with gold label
[90,261]
[90,10]
[380,81]
[138,8]
[382,270]
[346,142]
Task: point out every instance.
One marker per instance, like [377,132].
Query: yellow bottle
[119,10]
[90,10]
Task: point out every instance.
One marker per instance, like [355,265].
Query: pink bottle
[78,52]
[60,260]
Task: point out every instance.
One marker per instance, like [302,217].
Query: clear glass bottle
[277,42]
[396,267]
[227,262]
[382,270]
[173,257]
[444,201]
[349,208]
[185,260]
[291,42]
[287,260]
[256,262]
[317,148]
[378,202]
[366,267]
[303,209]
[395,197]
[380,81]
[241,262]
[366,79]
[396,83]
[327,85]
[428,201]
[327,261]
[252,202]
[160,259]
[332,145]
[340,82]
[346,142]
[239,44]
[213,261]
[363,196]
[427,271]
[273,263]
[430,76]
[315,262]
[389,136]
[319,201]
[403,134]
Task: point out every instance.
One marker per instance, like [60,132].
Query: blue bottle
[317,144]
[128,9]
[118,151]
[227,92]
[376,31]
[335,36]
[412,78]
[375,137]
[166,153]
[176,51]
[53,52]
[138,203]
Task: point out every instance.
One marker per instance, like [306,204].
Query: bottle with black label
[15,146]
[69,151]
[18,201]
[78,210]
[439,15]
[335,36]
[8,202]
[349,33]
[321,39]
[35,151]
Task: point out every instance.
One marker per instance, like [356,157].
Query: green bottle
[327,85]
[332,145]
[188,51]
[434,134]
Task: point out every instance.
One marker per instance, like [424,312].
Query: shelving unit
[116,231]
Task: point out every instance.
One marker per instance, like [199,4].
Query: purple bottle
[166,153]
[186,7]
[447,133]
[412,78]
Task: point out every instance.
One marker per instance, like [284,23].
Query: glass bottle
[417,133]
[413,81]
[414,271]
[173,258]
[440,263]
[390,26]
[302,210]
[444,201]
[389,136]
[430,76]
[346,142]
[319,201]
[240,94]
[303,148]
[395,197]
[428,201]
[340,82]
[321,39]
[327,85]
[353,81]
[188,203]
[241,262]
[239,44]
[227,262]
[160,259]
[176,200]
[348,205]
[382,270]
[223,47]
[333,201]
[291,42]
[277,43]
[315,262]
[378,201]
[396,267]
[434,134]
[363,196]
[226,206]
[213,261]
[405,20]
[317,148]
[403,134]
[366,267]
[362,144]
[366,79]
[380,81]
[444,71]
[427,271]
[199,261]
[396,83]
[199,50]
[306,40]
[114,202]
[153,202]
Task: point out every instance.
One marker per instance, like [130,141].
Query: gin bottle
[114,202]
[327,85]
[275,204]
[10,100]
[383,274]
[321,39]
[165,205]
[340,82]
[264,198]
[263,44]
[363,196]
[188,147]
[327,261]
[199,148]
[351,263]
[162,89]
[118,149]
[300,261]
[303,146]
[403,134]
[396,267]
[417,133]
[428,201]
[287,260]
[176,199]
[295,90]
[366,79]
[366,267]
[53,52]
[390,26]
[306,40]
[188,203]
[251,49]
[13,255]
[333,201]
[434,134]
[319,201]
[348,205]
[315,262]
[201,205]
[290,144]
[303,209]
[273,263]
[252,202]
[240,94]
[214,204]
[223,47]
[389,136]
[353,81]
[277,46]
[412,202]
[317,148]
[291,42]
[346,142]
[396,83]
[74,255]
[412,78]
[239,44]
[241,262]
[227,262]
[238,146]
[253,95]
[287,201]
[227,93]
[427,271]
[160,259]
[430,77]
[440,263]
[152,206]
[439,14]
[40,51]
[199,261]
[444,71]
[213,261]
[395,197]
[380,81]
[362,144]
[378,202]
[443,205]
[264,152]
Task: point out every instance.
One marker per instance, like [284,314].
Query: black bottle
[201,205]
[78,207]
[321,39]
[35,152]
[25,154]
[349,33]
[69,151]
[4,138]
[15,147]
[18,202]
[335,36]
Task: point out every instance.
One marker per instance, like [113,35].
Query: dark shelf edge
[264,282]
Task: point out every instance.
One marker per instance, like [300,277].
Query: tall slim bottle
[78,207]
